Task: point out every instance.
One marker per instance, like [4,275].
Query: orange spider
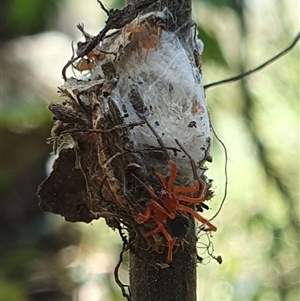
[87,63]
[147,32]
[171,198]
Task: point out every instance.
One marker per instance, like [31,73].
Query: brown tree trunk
[150,280]
[150,277]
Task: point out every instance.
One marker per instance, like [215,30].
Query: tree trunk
[152,279]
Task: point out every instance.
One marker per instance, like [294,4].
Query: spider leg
[158,207]
[194,189]
[204,189]
[198,180]
[154,197]
[169,238]
[190,200]
[171,243]
[197,216]
[154,231]
[162,179]
[146,215]
[172,175]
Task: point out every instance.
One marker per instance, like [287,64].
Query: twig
[103,7]
[242,75]
[105,131]
[117,19]
[226,175]
[116,271]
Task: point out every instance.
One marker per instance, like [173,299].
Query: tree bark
[150,278]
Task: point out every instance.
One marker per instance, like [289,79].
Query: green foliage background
[45,258]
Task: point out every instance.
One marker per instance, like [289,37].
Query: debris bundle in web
[133,132]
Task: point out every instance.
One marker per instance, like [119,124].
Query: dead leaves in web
[91,140]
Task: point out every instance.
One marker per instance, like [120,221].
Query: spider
[88,62]
[147,32]
[172,198]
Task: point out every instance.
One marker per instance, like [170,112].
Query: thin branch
[116,271]
[117,19]
[226,175]
[103,7]
[242,75]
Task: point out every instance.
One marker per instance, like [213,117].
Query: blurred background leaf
[213,50]
[21,17]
